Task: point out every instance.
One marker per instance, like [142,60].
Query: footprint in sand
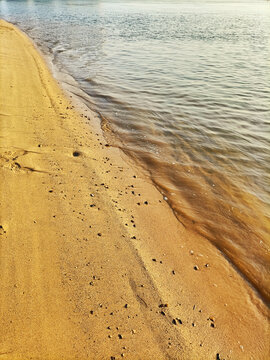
[9,160]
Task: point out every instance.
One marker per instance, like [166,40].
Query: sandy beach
[93,263]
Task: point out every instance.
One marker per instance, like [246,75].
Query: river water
[183,87]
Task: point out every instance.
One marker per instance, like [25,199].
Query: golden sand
[93,262]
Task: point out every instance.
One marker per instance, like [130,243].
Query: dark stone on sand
[196,267]
[163,313]
[163,305]
[218,357]
[99,234]
[154,260]
[126,306]
[76,153]
[120,336]
[174,322]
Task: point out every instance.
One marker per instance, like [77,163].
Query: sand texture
[93,262]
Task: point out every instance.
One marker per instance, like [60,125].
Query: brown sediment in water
[211,204]
[94,263]
[238,228]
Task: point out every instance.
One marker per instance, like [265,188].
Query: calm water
[184,88]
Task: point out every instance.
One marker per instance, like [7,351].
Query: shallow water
[183,87]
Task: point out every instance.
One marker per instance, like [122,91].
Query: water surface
[183,87]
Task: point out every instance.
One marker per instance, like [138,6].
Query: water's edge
[71,86]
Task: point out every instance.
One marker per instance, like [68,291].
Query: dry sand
[93,262]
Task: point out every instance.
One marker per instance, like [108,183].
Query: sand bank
[93,262]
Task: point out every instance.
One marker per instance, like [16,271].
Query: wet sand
[93,262]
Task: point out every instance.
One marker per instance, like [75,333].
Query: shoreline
[72,256]
[235,227]
[233,224]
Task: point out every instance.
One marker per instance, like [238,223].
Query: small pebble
[163,305]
